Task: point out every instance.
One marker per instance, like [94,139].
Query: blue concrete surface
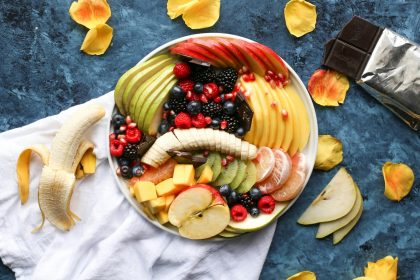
[42,72]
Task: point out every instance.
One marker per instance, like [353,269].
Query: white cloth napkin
[112,241]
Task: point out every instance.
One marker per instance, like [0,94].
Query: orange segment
[90,13]
[97,40]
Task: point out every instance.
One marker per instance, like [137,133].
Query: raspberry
[266,204]
[238,213]
[211,90]
[183,120]
[199,121]
[182,70]
[186,85]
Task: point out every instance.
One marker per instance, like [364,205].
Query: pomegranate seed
[247,94]
[230,158]
[128,120]
[121,136]
[281,77]
[146,167]
[189,95]
[237,87]
[274,104]
[267,78]
[224,162]
[208,120]
[206,153]
[203,98]
[273,84]
[240,72]
[218,99]
[251,76]
[278,83]
[172,112]
[285,82]
[118,171]
[284,113]
[165,115]
[228,96]
[223,124]
[132,125]
[122,140]
[244,69]
[112,136]
[123,128]
[270,73]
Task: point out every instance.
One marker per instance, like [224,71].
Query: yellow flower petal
[177,7]
[329,153]
[300,17]
[97,40]
[203,14]
[383,269]
[90,13]
[328,87]
[399,179]
[304,275]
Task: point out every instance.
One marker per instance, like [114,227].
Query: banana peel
[70,158]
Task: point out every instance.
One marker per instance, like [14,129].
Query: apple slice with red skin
[203,51]
[257,65]
[275,59]
[188,53]
[269,65]
[237,54]
[216,49]
[217,197]
[238,64]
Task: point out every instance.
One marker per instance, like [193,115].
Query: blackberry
[178,105]
[130,151]
[202,74]
[246,201]
[211,109]
[232,123]
[227,78]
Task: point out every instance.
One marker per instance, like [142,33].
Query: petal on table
[329,153]
[177,7]
[97,40]
[383,269]
[328,87]
[202,15]
[399,179]
[90,13]
[300,17]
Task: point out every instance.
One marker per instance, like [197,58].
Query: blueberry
[163,127]
[222,97]
[255,193]
[138,170]
[198,87]
[229,107]
[240,132]
[166,106]
[177,92]
[118,120]
[194,107]
[123,162]
[233,198]
[215,123]
[254,211]
[126,172]
[225,190]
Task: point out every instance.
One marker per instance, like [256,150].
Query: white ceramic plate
[309,151]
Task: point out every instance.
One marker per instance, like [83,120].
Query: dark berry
[254,211]
[126,172]
[227,79]
[233,198]
[138,170]
[255,194]
[232,123]
[177,105]
[215,123]
[118,120]
[212,109]
[130,151]
[229,108]
[246,201]
[164,127]
[240,131]
[123,162]
[166,106]
[177,92]
[203,74]
[194,107]
[198,87]
[225,190]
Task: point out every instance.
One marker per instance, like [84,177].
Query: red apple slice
[216,49]
[269,65]
[232,49]
[188,53]
[294,184]
[264,162]
[203,51]
[257,65]
[275,59]
[281,172]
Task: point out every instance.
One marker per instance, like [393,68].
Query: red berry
[186,85]
[112,137]
[218,99]
[238,213]
[116,148]
[133,135]
[123,127]
[223,124]
[203,98]
[211,90]
[266,204]
[199,121]
[128,120]
[208,120]
[224,162]
[182,70]
[183,120]
[230,158]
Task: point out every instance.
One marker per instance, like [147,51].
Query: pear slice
[342,232]
[334,202]
[327,228]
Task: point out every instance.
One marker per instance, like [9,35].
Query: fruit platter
[212,136]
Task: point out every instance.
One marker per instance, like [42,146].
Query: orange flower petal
[177,7]
[383,269]
[399,179]
[328,87]
[202,15]
[90,13]
[97,40]
[300,17]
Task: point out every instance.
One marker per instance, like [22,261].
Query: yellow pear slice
[334,202]
[342,232]
[327,228]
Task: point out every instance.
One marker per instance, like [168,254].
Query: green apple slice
[334,202]
[327,228]
[342,232]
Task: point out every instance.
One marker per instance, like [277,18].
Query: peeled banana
[197,139]
[70,158]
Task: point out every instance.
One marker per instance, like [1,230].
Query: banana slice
[244,150]
[238,144]
[232,146]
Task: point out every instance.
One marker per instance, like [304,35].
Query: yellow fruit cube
[162,217]
[156,205]
[184,175]
[206,176]
[167,187]
[145,191]
[168,201]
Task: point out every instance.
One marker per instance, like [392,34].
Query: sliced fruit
[227,174]
[232,49]
[399,179]
[334,202]
[220,51]
[157,175]
[210,56]
[184,175]
[250,178]
[209,162]
[275,59]
[240,175]
[257,65]
[284,105]
[296,181]
[206,176]
[145,191]
[216,167]
[295,122]
[342,232]
[281,172]
[228,234]
[264,162]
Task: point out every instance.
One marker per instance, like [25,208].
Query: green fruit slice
[210,160]
[240,175]
[216,167]
[250,179]
[228,174]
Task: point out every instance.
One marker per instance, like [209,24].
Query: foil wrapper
[392,76]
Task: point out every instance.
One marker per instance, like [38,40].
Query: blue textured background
[43,72]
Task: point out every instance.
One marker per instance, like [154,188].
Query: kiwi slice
[228,174]
[240,175]
[216,167]
[250,178]
[210,160]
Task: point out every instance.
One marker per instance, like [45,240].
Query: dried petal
[329,153]
[90,13]
[328,87]
[97,40]
[399,179]
[202,15]
[177,7]
[300,17]
[383,269]
[304,275]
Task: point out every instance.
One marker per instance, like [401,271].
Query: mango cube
[162,217]
[168,201]
[206,176]
[156,205]
[167,187]
[184,175]
[145,191]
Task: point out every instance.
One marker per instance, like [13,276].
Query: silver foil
[392,76]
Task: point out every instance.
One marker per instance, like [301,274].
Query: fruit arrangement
[209,135]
